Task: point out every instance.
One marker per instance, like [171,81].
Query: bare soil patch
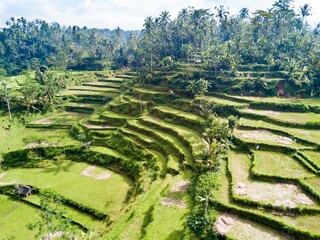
[102,176]
[224,223]
[181,186]
[43,121]
[2,175]
[173,202]
[41,144]
[286,195]
[91,126]
[264,135]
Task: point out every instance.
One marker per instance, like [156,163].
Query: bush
[77,132]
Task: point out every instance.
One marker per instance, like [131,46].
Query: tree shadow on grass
[175,235]
[59,167]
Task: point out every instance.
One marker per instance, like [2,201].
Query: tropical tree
[52,219]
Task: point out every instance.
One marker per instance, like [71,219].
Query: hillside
[142,173]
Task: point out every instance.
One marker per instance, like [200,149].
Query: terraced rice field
[140,156]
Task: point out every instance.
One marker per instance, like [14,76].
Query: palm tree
[148,26]
[244,13]
[305,11]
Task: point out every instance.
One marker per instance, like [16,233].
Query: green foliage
[233,122]
[77,132]
[203,214]
[52,217]
[198,87]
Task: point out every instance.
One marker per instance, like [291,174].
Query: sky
[126,14]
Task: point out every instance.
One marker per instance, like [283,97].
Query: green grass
[307,101]
[64,118]
[147,218]
[115,115]
[173,141]
[289,117]
[108,151]
[221,101]
[13,140]
[14,216]
[314,183]
[305,134]
[103,84]
[303,222]
[279,164]
[267,137]
[313,155]
[66,179]
[248,230]
[87,93]
[194,138]
[149,91]
[187,115]
[94,89]
[80,217]
[266,193]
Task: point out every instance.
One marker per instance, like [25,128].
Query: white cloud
[127,14]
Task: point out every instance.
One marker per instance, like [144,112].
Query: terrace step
[111,80]
[102,133]
[103,85]
[248,191]
[108,151]
[182,118]
[289,119]
[81,107]
[309,137]
[190,138]
[115,119]
[90,89]
[173,144]
[152,95]
[124,76]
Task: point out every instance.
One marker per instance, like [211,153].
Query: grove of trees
[279,36]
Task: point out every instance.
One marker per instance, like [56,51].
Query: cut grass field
[305,134]
[267,137]
[243,229]
[194,138]
[274,164]
[286,117]
[86,220]
[14,216]
[277,195]
[148,218]
[313,155]
[63,118]
[14,140]
[307,101]
[221,101]
[66,178]
[180,113]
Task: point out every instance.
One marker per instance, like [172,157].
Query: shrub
[77,132]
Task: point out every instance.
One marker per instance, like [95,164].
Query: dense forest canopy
[279,36]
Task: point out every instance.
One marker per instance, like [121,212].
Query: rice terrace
[204,125]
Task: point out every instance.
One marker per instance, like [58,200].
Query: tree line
[279,37]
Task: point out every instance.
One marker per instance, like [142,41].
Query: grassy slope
[309,135]
[276,163]
[65,178]
[14,216]
[290,117]
[136,223]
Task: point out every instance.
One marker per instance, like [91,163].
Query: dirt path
[102,176]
